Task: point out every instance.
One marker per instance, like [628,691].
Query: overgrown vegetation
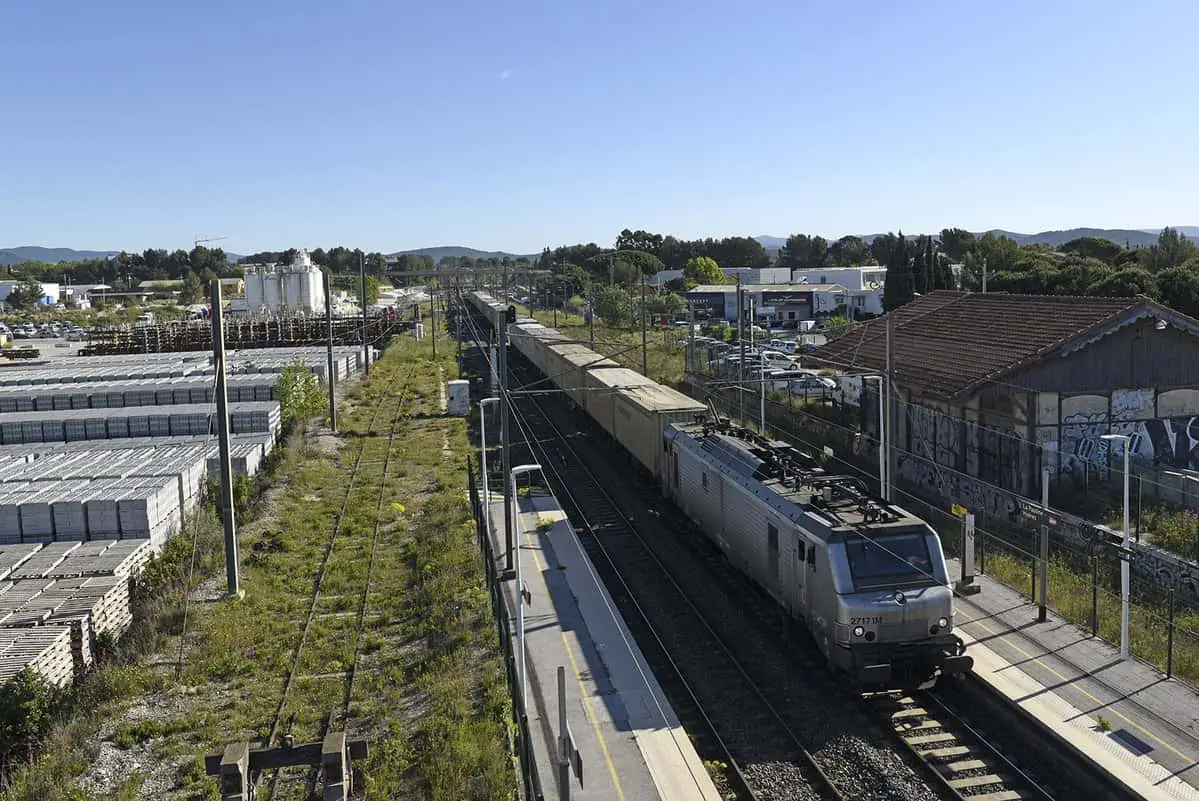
[1070,594]
[300,395]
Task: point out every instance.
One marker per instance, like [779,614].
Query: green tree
[1093,247]
[25,295]
[801,250]
[300,395]
[704,270]
[1076,275]
[192,289]
[372,290]
[639,240]
[26,706]
[614,306]
[668,305]
[956,243]
[835,327]
[900,283]
[848,251]
[1172,249]
[1179,287]
[999,252]
[1125,283]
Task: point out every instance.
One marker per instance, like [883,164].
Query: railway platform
[1125,715]
[631,744]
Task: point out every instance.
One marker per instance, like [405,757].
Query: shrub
[300,395]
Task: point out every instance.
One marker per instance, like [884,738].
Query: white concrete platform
[632,744]
[1124,715]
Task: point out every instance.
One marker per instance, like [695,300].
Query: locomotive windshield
[890,559]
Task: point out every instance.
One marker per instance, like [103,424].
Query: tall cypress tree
[900,279]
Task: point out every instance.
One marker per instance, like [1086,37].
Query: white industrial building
[863,286]
[296,288]
[50,292]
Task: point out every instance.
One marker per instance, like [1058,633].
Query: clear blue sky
[517,124]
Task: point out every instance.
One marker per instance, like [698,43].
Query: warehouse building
[1000,386]
[775,303]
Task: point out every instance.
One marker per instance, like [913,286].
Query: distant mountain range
[1132,237]
[50,255]
[457,251]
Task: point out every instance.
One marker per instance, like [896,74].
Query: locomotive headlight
[858,631]
[942,622]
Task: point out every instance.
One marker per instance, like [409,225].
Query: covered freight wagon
[641,416]
[569,362]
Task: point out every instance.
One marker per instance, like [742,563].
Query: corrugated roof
[950,343]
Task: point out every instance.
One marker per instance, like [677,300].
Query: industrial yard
[325,638]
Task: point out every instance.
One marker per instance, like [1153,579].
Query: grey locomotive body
[867,579]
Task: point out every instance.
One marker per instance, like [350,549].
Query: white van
[144,320]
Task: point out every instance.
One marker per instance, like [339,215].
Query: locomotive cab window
[889,560]
[812,558]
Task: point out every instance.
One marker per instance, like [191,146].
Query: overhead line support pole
[232,576]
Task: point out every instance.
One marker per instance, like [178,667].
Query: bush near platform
[300,395]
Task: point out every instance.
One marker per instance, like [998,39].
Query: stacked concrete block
[45,649]
[44,560]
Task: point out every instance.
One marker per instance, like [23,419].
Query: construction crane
[200,240]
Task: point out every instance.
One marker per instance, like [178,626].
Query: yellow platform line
[599,735]
[1065,680]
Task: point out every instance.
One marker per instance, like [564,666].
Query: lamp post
[483,404]
[520,590]
[1124,555]
[882,435]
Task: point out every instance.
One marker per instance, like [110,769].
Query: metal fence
[1084,571]
[522,747]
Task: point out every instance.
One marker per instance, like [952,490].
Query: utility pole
[690,337]
[984,275]
[506,444]
[591,315]
[644,348]
[741,363]
[329,349]
[433,315]
[366,348]
[222,429]
[891,454]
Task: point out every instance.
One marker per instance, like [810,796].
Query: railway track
[709,686]
[340,714]
[958,756]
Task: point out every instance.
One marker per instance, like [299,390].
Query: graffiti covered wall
[1163,429]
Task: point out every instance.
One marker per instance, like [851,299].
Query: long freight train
[864,576]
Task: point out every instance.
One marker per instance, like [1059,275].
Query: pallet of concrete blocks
[105,599]
[16,595]
[124,559]
[10,511]
[37,516]
[13,556]
[150,509]
[46,650]
[43,561]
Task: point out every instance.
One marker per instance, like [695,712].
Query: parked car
[812,386]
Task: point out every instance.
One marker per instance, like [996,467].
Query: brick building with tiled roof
[998,386]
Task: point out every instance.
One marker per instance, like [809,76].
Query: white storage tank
[458,403]
[271,294]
